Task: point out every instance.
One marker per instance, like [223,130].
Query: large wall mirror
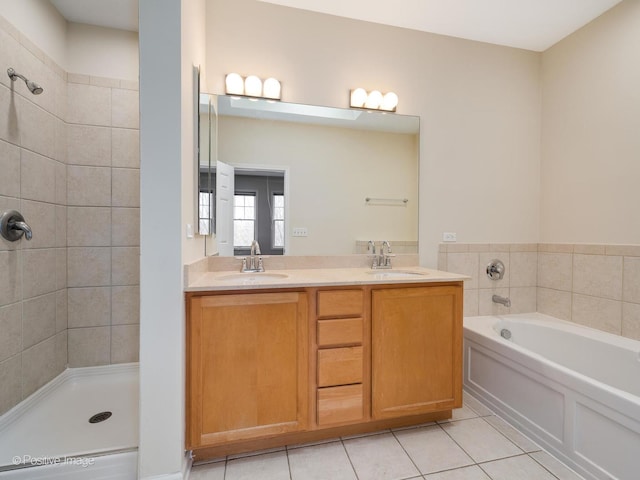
[307,180]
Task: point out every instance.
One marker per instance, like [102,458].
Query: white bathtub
[48,435]
[574,390]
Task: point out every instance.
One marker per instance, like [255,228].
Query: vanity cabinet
[416,350]
[247,364]
[272,367]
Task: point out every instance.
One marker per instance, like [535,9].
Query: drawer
[340,303]
[340,404]
[339,366]
[344,331]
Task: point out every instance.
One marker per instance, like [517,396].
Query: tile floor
[474,445]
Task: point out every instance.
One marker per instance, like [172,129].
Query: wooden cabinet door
[416,350]
[248,366]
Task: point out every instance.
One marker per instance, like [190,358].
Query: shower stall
[69,257]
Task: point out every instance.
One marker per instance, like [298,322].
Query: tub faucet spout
[506,301]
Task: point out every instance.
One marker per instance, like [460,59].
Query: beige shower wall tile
[89,226]
[10,276]
[39,366]
[11,381]
[88,104]
[125,305]
[89,266]
[125,266]
[524,247]
[555,271]
[596,312]
[524,269]
[10,331]
[89,307]
[88,186]
[555,247]
[41,217]
[38,319]
[61,183]
[442,261]
[470,306]
[486,258]
[129,84]
[61,351]
[125,343]
[61,268]
[125,108]
[89,347]
[104,82]
[37,179]
[125,187]
[62,310]
[38,130]
[39,272]
[631,320]
[9,116]
[125,148]
[523,299]
[61,139]
[631,280]
[61,226]
[88,145]
[125,227]
[465,264]
[10,168]
[598,275]
[554,302]
[9,203]
[624,250]
[589,249]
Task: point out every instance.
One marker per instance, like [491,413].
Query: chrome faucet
[383,260]
[13,226]
[506,301]
[253,263]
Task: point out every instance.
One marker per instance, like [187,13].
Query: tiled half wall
[593,285]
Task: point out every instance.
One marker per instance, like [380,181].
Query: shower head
[32,86]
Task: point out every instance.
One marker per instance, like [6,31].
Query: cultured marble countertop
[317,277]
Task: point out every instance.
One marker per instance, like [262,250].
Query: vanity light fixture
[252,86]
[374,100]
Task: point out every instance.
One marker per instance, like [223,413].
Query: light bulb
[272,88]
[234,84]
[358,97]
[373,100]
[389,102]
[252,86]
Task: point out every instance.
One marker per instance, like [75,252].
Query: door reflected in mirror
[312,180]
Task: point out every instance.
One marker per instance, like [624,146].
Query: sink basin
[252,277]
[395,274]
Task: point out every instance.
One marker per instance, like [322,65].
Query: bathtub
[572,389]
[49,436]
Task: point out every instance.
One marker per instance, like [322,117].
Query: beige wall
[590,139]
[479,106]
[331,172]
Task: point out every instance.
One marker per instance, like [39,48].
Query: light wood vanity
[270,366]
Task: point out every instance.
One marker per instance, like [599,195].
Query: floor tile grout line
[355,472]
[542,465]
[407,454]
[286,452]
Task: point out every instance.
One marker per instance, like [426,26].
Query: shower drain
[100,417]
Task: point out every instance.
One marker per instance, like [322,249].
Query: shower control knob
[495,270]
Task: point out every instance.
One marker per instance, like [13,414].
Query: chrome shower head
[32,86]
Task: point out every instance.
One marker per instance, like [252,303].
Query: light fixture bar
[374,100]
[252,86]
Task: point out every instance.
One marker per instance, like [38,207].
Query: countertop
[317,277]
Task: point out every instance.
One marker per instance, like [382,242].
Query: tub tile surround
[474,445]
[63,154]
[593,285]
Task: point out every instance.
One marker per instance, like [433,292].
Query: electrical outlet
[449,237]
[300,232]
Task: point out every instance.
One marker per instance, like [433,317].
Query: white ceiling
[529,24]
